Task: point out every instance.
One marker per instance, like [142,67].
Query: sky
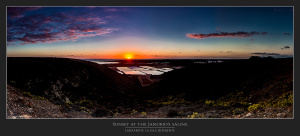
[150,32]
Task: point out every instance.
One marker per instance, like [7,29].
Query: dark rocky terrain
[70,88]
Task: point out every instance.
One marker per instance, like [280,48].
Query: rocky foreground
[20,106]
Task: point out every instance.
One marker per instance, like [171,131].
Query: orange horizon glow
[134,52]
[137,55]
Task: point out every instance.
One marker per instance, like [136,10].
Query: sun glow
[128,56]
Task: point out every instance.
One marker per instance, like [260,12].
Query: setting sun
[128,56]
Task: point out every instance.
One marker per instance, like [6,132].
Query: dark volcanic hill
[62,79]
[212,81]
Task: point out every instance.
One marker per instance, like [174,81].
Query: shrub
[143,114]
[179,99]
[86,103]
[254,107]
[68,103]
[84,109]
[134,112]
[286,99]
[237,100]
[195,115]
[237,111]
[209,102]
[116,114]
[39,98]
[27,94]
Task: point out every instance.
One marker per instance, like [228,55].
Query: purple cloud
[225,34]
[36,28]
[15,12]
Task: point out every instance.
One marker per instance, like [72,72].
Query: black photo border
[104,127]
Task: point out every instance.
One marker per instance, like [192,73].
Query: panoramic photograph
[108,62]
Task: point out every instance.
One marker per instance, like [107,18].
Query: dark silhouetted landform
[70,88]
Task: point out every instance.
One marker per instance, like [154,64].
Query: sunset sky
[150,32]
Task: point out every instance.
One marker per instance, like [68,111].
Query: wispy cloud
[218,29]
[35,28]
[225,51]
[226,34]
[111,9]
[285,47]
[264,53]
